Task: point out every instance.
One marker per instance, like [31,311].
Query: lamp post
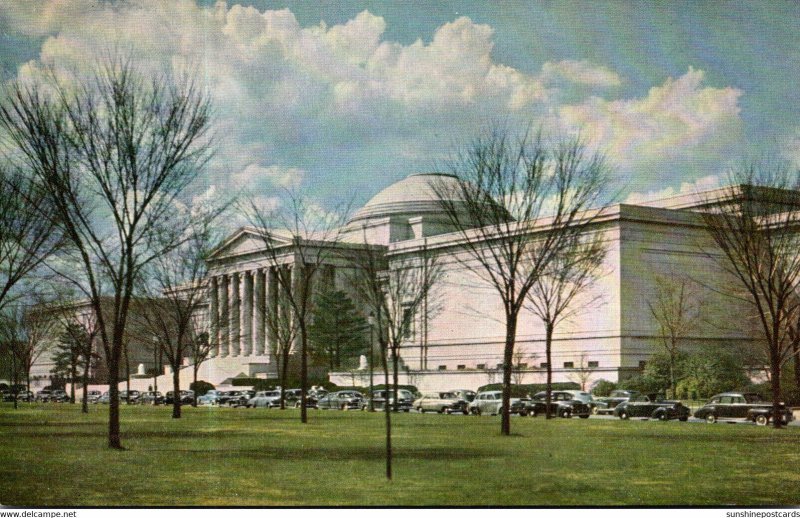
[371,321]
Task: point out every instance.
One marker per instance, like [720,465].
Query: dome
[415,194]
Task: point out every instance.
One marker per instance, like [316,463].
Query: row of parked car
[624,404]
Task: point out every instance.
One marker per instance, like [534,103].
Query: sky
[342,98]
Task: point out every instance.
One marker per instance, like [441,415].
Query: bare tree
[282,328]
[506,186]
[520,364]
[299,236]
[113,153]
[675,306]
[583,373]
[396,292]
[201,344]
[554,296]
[28,231]
[27,332]
[177,287]
[754,228]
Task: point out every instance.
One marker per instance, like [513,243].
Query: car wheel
[762,420]
[476,410]
[465,411]
[662,416]
[595,411]
[683,419]
[711,419]
[624,415]
[566,414]
[344,407]
[584,416]
[534,413]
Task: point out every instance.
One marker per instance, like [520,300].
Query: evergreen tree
[338,332]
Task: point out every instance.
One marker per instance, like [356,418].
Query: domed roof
[412,195]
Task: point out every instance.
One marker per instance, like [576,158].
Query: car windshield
[272,394]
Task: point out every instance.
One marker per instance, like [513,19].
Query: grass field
[52,455]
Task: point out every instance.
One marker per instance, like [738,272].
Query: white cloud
[582,72]
[255,176]
[342,103]
[701,184]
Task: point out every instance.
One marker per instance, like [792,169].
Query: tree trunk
[85,402]
[548,348]
[284,376]
[74,375]
[395,377]
[176,392]
[114,440]
[387,411]
[303,372]
[508,358]
[775,378]
[194,382]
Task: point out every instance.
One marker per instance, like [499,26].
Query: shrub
[200,387]
[603,388]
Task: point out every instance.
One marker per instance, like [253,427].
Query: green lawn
[52,455]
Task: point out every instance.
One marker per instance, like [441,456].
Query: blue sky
[343,98]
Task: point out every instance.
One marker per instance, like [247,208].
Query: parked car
[740,406]
[442,402]
[59,396]
[209,398]
[265,399]
[186,397]
[584,397]
[24,396]
[491,403]
[43,396]
[223,396]
[606,405]
[152,397]
[342,400]
[92,396]
[105,399]
[405,400]
[644,406]
[563,403]
[131,397]
[465,394]
[241,398]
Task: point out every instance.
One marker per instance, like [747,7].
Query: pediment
[245,241]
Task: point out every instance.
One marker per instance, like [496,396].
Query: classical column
[246,343]
[234,331]
[272,307]
[258,312]
[222,332]
[213,314]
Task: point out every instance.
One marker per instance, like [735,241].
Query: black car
[606,405]
[644,406]
[130,398]
[151,398]
[740,406]
[59,396]
[562,404]
[43,396]
[405,400]
[186,397]
[240,398]
[342,400]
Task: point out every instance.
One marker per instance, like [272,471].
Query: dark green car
[740,406]
[643,406]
